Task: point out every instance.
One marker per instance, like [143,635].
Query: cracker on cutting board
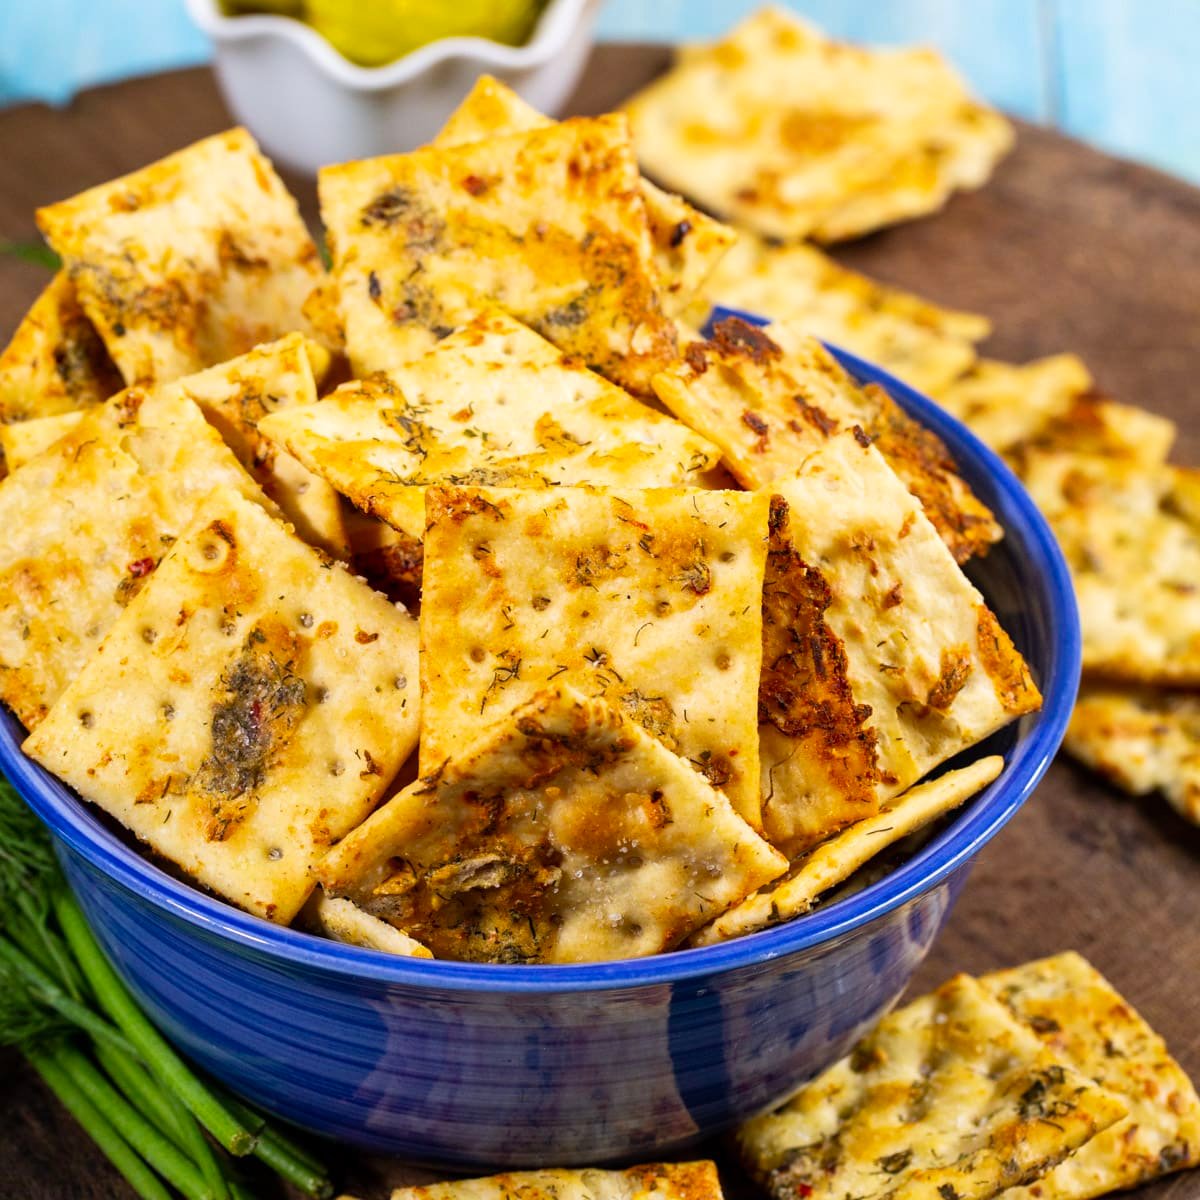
[922,343]
[247,710]
[790,134]
[653,1181]
[238,398]
[548,224]
[1130,533]
[55,361]
[949,1096]
[492,404]
[651,599]
[770,398]
[564,833]
[83,525]
[1141,739]
[1085,1022]
[190,261]
[343,921]
[1051,403]
[923,652]
[835,860]
[24,440]
[688,244]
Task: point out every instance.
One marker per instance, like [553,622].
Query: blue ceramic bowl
[472,1065]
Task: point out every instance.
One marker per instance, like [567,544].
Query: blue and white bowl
[468,1065]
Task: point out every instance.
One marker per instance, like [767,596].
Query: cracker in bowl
[548,224]
[780,129]
[769,398]
[649,598]
[190,261]
[688,244]
[564,833]
[492,404]
[248,708]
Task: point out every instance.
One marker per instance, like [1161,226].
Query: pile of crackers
[1036,1083]
[779,129]
[463,600]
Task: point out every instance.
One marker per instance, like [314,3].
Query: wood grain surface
[1066,249]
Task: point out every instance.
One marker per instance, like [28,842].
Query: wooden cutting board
[1066,249]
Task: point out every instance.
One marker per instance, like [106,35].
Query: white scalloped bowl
[308,105]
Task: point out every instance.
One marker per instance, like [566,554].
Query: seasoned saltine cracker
[564,833]
[807,711]
[770,398]
[247,710]
[947,1097]
[343,921]
[56,361]
[548,224]
[189,261]
[24,440]
[688,244]
[83,524]
[1051,403]
[779,129]
[1082,1020]
[492,404]
[651,599]
[1141,739]
[1131,536]
[925,345]
[238,397]
[835,860]
[922,651]
[653,1181]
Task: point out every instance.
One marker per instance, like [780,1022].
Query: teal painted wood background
[1124,74]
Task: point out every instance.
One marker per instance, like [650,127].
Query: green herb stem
[46,990]
[259,1126]
[112,1145]
[153,1048]
[200,1149]
[145,1138]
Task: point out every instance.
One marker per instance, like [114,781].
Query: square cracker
[924,344]
[922,651]
[189,261]
[688,244]
[56,361]
[565,833]
[948,1096]
[1051,403]
[1141,739]
[24,440]
[548,224]
[247,710]
[653,1181]
[787,133]
[238,396]
[651,599]
[835,860]
[770,398]
[1131,537]
[492,404]
[1085,1022]
[83,524]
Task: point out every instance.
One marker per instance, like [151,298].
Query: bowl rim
[553,30]
[71,821]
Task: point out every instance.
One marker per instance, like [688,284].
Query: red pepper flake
[475,185]
[140,567]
